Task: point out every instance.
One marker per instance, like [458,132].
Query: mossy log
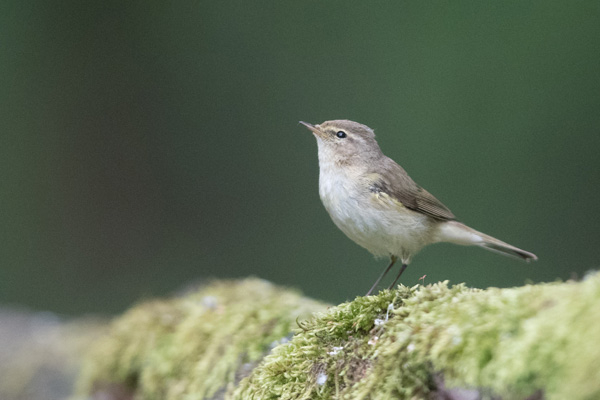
[252,340]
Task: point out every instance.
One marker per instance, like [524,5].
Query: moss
[410,343]
[512,343]
[191,347]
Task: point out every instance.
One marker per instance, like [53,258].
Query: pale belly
[377,223]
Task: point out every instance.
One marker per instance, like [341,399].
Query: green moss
[510,342]
[410,343]
[191,347]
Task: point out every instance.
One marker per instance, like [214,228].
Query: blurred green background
[145,146]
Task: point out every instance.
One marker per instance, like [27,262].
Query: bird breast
[373,220]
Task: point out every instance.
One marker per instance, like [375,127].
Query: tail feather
[509,250]
[458,233]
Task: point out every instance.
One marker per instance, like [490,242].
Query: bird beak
[314,129]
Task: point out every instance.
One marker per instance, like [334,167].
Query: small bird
[377,205]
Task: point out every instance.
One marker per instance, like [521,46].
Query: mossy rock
[194,346]
[435,341]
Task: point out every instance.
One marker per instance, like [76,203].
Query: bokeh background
[145,146]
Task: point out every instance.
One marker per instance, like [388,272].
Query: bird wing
[395,182]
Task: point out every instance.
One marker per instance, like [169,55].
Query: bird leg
[393,259]
[402,268]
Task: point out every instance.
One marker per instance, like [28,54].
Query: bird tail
[458,233]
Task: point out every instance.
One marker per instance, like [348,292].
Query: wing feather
[395,182]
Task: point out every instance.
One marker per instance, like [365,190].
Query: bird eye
[341,134]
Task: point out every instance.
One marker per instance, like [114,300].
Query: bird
[377,205]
